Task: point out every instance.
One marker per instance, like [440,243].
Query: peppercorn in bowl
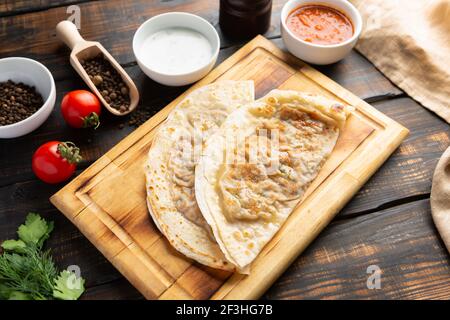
[27,96]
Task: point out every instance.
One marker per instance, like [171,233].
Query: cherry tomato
[55,161]
[81,109]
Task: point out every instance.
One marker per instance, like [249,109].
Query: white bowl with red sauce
[320,32]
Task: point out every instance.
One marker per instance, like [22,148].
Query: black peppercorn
[23,103]
[108,82]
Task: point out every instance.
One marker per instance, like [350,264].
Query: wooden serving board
[107,202]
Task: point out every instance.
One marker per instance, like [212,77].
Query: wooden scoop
[82,50]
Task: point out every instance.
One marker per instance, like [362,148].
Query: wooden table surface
[388,223]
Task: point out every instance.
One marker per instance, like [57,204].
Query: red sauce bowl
[329,46]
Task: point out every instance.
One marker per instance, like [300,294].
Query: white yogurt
[176,51]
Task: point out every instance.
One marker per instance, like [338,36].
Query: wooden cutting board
[107,202]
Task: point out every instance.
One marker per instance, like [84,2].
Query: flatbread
[171,163]
[256,168]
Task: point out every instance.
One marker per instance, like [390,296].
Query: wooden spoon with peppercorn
[101,72]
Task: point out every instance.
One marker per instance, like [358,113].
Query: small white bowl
[31,73]
[316,53]
[173,20]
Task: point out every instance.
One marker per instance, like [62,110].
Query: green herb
[35,230]
[66,286]
[28,273]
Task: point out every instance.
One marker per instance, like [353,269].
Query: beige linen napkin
[440,197]
[409,41]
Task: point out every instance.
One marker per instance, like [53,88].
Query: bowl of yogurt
[176,48]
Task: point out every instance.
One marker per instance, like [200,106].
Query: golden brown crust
[170,175]
[247,202]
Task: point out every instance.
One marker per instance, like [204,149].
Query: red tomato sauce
[320,24]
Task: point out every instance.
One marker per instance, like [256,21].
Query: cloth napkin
[409,42]
[440,197]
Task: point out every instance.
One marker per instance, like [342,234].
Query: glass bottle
[243,19]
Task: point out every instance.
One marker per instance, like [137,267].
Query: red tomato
[81,109]
[55,161]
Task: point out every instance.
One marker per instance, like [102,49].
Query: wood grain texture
[114,22]
[72,247]
[14,7]
[111,22]
[32,35]
[401,241]
[408,173]
[119,289]
[69,246]
[15,153]
[107,201]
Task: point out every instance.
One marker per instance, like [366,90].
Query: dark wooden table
[388,223]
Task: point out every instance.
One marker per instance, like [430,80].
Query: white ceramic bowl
[34,74]
[171,20]
[316,53]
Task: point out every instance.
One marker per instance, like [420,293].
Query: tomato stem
[69,151]
[92,120]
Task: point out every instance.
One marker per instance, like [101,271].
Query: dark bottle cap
[244,19]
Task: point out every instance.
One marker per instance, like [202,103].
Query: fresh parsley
[27,272]
[68,286]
